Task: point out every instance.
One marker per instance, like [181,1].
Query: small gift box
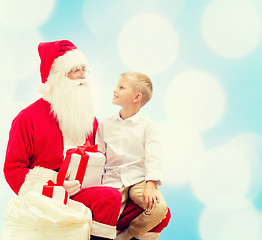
[53,191]
[87,165]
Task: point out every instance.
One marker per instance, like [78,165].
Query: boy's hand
[150,197]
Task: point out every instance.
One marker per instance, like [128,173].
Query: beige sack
[37,217]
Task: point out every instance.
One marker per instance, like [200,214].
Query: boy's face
[124,93]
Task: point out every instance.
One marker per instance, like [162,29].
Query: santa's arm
[20,148]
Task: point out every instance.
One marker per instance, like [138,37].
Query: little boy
[132,145]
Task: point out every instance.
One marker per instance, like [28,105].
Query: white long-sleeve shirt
[133,150]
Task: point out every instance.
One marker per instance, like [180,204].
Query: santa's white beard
[72,105]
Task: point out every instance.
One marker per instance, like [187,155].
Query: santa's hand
[72,187]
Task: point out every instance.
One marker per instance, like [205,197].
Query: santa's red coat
[34,140]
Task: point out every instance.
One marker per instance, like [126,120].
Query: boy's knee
[160,210]
[134,194]
[163,209]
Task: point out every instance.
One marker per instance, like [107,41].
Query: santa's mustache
[80,82]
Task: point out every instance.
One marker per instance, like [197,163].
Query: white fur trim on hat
[69,60]
[36,176]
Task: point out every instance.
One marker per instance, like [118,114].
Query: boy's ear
[137,97]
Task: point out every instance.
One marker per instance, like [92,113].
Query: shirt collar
[134,119]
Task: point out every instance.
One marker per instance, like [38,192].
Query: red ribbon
[66,197]
[82,168]
[48,189]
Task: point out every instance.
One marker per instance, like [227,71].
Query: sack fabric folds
[37,217]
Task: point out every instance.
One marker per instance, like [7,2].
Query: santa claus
[63,116]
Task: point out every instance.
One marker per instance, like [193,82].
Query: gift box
[53,191]
[86,165]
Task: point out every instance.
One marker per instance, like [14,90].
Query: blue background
[95,27]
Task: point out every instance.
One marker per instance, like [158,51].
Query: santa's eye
[80,71]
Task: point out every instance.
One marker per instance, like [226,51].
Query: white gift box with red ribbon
[53,191]
[86,165]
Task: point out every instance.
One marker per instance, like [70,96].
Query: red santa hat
[59,56]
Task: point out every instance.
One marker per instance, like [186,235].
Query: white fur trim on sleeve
[36,176]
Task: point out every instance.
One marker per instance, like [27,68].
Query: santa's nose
[82,75]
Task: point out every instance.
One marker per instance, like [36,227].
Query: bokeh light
[231,28]
[148,43]
[26,13]
[183,150]
[6,63]
[217,224]
[195,98]
[22,45]
[226,172]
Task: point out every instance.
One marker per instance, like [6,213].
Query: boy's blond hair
[141,83]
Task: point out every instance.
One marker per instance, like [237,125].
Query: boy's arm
[153,154]
[153,163]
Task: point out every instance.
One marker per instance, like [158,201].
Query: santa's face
[72,103]
[77,73]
